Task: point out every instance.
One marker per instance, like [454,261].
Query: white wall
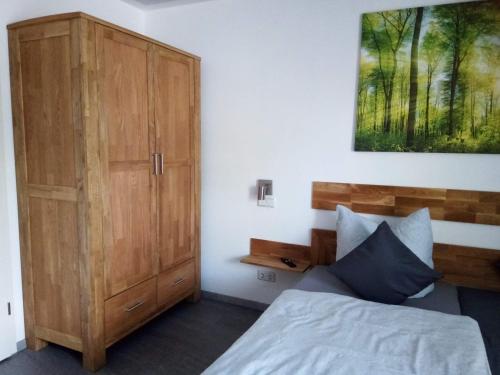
[278,94]
[10,11]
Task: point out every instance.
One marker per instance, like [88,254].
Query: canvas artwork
[429,79]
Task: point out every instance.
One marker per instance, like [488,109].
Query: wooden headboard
[460,265]
[467,206]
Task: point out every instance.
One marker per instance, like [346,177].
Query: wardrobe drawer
[175,283]
[129,309]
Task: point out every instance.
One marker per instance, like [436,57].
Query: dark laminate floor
[183,340]
[484,307]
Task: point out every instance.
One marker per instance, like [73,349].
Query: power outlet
[268,276]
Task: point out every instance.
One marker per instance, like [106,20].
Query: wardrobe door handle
[132,308]
[155,164]
[161,163]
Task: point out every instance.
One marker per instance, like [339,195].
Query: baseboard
[234,300]
[21,345]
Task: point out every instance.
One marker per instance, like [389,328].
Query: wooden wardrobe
[107,143]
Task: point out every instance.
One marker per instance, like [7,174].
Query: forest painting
[429,80]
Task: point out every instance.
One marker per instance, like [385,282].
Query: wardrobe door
[174,111]
[128,141]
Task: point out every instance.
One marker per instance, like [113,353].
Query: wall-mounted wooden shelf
[273,262]
[269,253]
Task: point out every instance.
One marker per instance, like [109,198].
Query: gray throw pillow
[415,231]
[382,269]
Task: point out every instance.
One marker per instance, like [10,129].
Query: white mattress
[326,333]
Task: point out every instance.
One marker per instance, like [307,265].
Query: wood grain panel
[128,309]
[159,310]
[43,70]
[32,341]
[56,273]
[273,262]
[131,259]
[175,216]
[175,283]
[197,179]
[268,253]
[279,249]
[460,265]
[50,30]
[124,78]
[127,143]
[90,197]
[174,101]
[444,204]
[468,266]
[53,192]
[59,338]
[323,246]
[88,18]
[47,101]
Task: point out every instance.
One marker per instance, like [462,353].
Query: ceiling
[153,4]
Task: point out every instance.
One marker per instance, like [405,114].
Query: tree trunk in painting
[375,111]
[387,42]
[427,97]
[412,107]
[388,101]
[491,102]
[472,113]
[453,90]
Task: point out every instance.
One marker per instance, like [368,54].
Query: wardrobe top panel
[68,16]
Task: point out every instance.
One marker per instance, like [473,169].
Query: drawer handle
[179,281]
[132,308]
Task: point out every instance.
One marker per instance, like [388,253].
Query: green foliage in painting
[429,79]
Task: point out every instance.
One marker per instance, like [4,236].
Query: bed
[321,326]
[323,333]
[481,305]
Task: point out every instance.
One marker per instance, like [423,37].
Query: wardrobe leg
[195,297]
[94,359]
[36,344]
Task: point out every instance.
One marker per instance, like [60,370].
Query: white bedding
[325,333]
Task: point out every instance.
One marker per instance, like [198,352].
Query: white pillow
[415,231]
